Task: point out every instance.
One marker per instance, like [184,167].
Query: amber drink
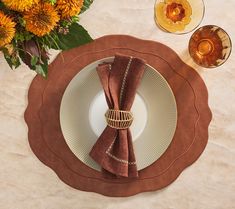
[210,46]
[178,16]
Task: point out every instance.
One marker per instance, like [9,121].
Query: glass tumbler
[179,16]
[210,46]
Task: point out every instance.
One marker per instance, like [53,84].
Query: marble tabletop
[25,183]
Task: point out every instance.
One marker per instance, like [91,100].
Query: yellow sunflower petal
[20,5]
[69,8]
[41,19]
[7,29]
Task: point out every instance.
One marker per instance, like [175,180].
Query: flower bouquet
[29,28]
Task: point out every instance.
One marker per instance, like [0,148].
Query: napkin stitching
[124,82]
[108,151]
[118,159]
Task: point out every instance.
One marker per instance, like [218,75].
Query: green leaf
[17,62]
[42,70]
[34,60]
[65,23]
[86,5]
[12,60]
[2,6]
[19,37]
[9,62]
[22,21]
[23,36]
[77,36]
[52,1]
[22,55]
[74,19]
[40,67]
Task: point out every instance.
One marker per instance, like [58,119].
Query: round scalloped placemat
[190,139]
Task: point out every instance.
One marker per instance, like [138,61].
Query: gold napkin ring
[119,119]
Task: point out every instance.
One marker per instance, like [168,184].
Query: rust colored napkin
[114,149]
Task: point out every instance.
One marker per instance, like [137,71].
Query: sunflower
[69,8]
[173,15]
[7,29]
[41,19]
[20,5]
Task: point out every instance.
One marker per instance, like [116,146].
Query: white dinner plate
[83,107]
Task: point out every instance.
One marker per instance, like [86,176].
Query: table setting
[126,115]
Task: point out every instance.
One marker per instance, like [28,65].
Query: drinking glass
[210,46]
[179,16]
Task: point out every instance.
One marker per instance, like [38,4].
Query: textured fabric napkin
[114,149]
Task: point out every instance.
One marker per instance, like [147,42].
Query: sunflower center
[175,12]
[43,18]
[3,33]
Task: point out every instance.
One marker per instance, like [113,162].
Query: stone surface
[25,183]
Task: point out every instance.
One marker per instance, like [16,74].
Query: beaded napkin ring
[119,119]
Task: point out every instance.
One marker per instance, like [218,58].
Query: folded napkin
[113,150]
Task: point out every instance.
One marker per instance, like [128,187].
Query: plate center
[99,106]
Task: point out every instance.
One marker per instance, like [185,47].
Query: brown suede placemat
[190,139]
